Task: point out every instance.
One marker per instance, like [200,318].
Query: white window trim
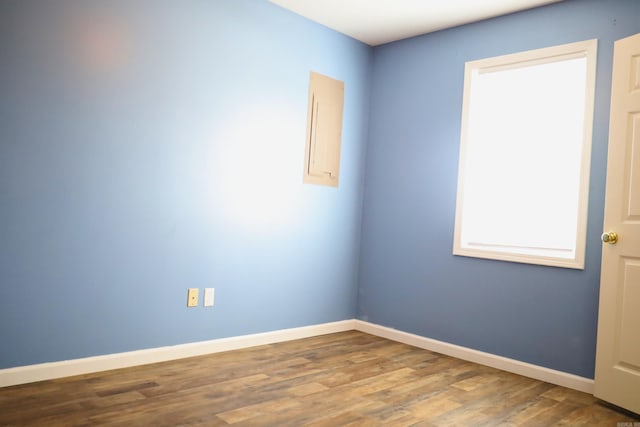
[586,49]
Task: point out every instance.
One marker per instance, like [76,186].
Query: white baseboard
[503,363]
[66,368]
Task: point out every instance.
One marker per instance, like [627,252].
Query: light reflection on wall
[99,42]
[259,162]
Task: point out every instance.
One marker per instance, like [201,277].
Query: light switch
[209,294]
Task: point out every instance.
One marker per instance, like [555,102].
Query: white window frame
[575,259]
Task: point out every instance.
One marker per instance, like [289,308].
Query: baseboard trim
[503,363]
[67,368]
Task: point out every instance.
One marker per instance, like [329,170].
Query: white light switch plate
[209,294]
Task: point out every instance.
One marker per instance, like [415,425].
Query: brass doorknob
[611,237]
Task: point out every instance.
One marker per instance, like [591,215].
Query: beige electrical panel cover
[324,130]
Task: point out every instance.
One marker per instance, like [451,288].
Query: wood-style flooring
[344,379]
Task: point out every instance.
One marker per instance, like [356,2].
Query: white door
[617,377]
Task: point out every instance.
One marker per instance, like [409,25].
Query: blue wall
[408,277]
[150,146]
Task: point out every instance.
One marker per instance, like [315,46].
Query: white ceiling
[376,22]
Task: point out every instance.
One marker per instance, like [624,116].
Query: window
[523,177]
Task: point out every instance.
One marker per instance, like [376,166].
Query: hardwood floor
[344,379]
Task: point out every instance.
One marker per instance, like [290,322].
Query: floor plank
[343,379]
